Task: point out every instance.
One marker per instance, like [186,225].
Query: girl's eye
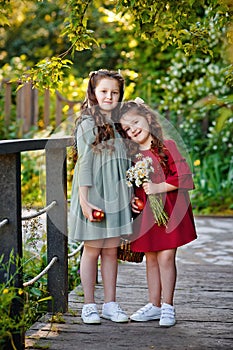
[126,129]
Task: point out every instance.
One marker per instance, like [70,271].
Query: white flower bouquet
[137,175]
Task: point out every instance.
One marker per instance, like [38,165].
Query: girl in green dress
[99,185]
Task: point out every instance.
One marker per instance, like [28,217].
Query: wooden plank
[7,102]
[58,110]
[204,315]
[46,107]
[34,107]
[27,102]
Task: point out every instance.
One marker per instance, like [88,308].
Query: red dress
[180,230]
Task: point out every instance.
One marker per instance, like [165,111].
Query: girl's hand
[150,188]
[87,209]
[134,206]
[162,187]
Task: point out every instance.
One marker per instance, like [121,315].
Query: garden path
[203,300]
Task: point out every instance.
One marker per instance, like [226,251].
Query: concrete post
[11,233]
[57,237]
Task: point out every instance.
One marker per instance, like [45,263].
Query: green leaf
[224,114]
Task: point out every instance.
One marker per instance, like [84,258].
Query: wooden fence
[27,106]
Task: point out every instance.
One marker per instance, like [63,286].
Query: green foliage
[214,186]
[47,74]
[32,178]
[34,261]
[194,96]
[10,295]
[183,24]
[5,10]
[34,30]
[9,325]
[11,131]
[229,76]
[75,26]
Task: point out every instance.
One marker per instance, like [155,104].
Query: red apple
[139,203]
[98,215]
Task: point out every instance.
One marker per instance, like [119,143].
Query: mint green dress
[104,174]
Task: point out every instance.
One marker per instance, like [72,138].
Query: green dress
[104,174]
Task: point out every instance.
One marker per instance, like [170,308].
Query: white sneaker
[90,314]
[148,312]
[167,318]
[112,311]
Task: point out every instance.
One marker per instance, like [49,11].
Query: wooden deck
[203,301]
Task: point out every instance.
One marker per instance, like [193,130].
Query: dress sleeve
[179,173]
[85,137]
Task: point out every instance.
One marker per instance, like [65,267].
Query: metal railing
[56,212]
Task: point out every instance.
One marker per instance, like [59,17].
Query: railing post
[57,240]
[11,233]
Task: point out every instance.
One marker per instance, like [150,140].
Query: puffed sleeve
[85,137]
[179,174]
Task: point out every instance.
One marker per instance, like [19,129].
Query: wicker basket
[125,253]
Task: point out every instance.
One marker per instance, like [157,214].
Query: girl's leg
[109,264]
[153,278]
[88,271]
[109,267]
[152,310]
[167,267]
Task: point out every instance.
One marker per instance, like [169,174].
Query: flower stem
[160,215]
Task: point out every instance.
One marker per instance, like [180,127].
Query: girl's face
[107,93]
[137,128]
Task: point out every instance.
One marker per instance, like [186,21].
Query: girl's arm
[180,174]
[85,137]
[153,188]
[87,207]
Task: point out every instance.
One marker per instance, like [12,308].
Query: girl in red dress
[171,180]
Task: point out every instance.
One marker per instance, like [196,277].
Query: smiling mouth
[138,133]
